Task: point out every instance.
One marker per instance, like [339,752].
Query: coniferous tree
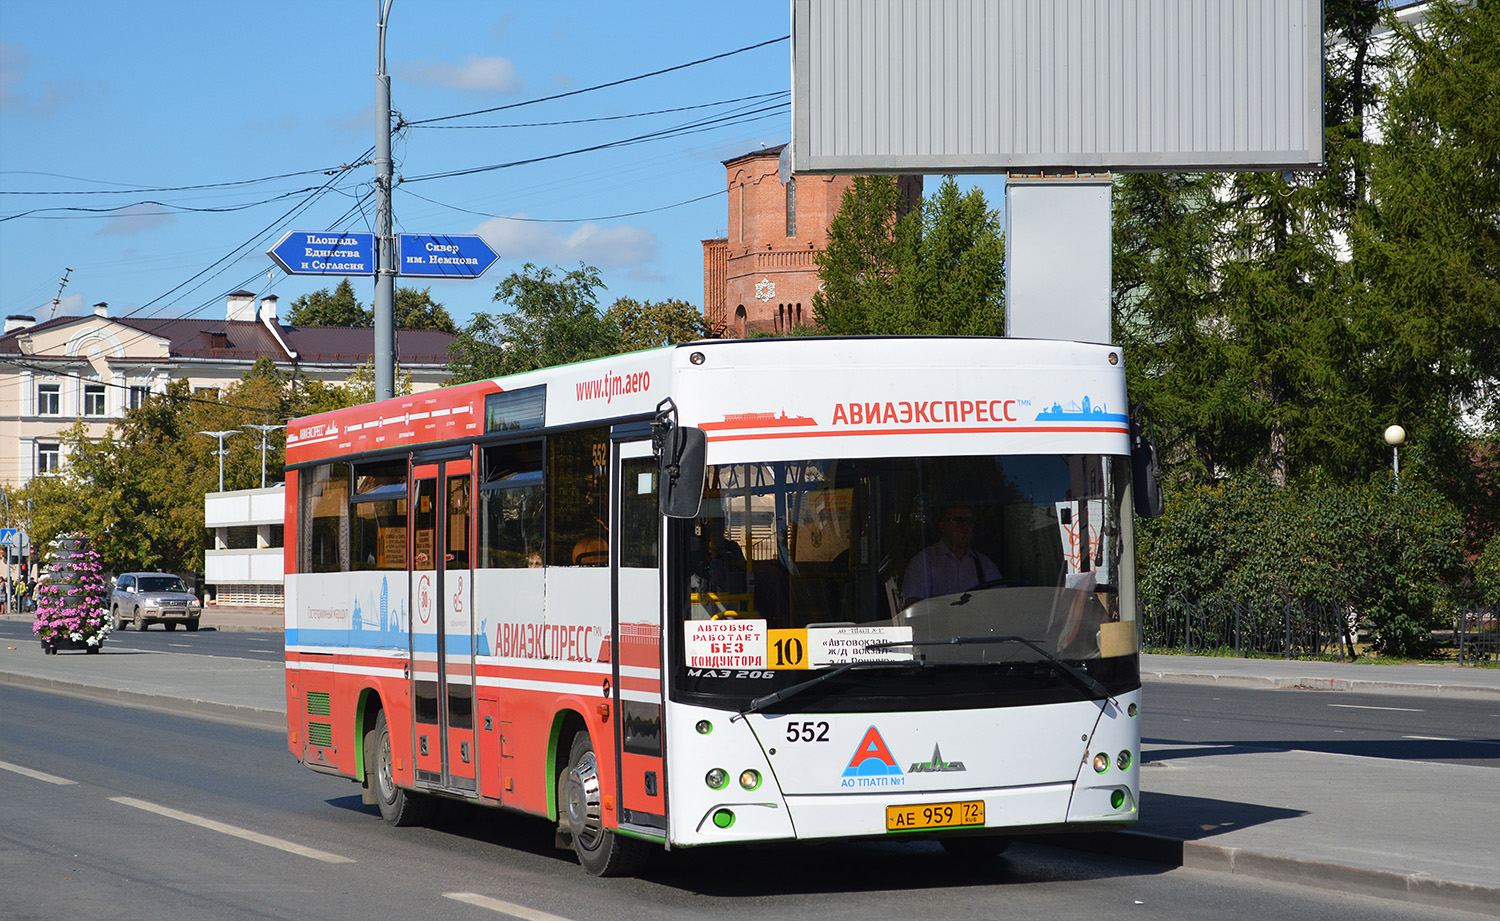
[938,270]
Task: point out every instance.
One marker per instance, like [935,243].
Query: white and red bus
[852,587]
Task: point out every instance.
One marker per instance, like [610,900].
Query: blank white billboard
[943,86]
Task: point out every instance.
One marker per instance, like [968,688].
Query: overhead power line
[605,118]
[600,86]
[564,220]
[114,210]
[129,189]
[677,131]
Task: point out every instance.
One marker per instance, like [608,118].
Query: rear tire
[397,806]
[170,625]
[579,813]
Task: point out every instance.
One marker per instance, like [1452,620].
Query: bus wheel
[981,848]
[601,851]
[397,806]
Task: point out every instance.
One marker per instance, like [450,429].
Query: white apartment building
[92,368]
[246,565]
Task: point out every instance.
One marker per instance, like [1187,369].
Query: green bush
[1389,558]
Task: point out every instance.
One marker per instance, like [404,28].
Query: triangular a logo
[872,758]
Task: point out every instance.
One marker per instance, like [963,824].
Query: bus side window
[378,516]
[458,523]
[511,521]
[324,510]
[640,518]
[578,498]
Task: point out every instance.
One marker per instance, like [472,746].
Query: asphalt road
[1443,729]
[262,646]
[1449,729]
[111,812]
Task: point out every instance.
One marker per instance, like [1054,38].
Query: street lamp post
[264,430]
[221,452]
[1395,436]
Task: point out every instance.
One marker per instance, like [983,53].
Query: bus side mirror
[1145,471]
[684,452]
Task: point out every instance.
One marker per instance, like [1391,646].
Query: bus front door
[637,654]
[442,629]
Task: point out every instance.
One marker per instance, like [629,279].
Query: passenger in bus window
[950,565]
[591,551]
[718,572]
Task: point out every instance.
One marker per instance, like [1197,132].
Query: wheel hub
[585,818]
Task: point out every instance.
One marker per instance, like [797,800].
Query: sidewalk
[1406,830]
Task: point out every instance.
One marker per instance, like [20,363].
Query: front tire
[397,806]
[580,814]
[136,620]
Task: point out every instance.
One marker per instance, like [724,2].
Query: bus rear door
[442,630]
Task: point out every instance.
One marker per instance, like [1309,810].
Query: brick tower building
[762,276]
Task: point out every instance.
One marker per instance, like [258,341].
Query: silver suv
[143,598]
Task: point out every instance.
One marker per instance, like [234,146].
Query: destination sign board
[444,255]
[325,253]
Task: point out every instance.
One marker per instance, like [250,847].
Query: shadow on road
[1395,749]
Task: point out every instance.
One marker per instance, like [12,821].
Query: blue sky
[121,106]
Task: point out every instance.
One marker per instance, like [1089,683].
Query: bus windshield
[988,576]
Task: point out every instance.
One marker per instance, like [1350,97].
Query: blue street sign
[444,255]
[328,253]
[10,537]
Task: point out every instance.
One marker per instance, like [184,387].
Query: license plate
[934,815]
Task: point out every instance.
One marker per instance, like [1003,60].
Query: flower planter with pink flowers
[71,601]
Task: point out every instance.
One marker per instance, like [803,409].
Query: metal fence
[1280,626]
[1274,625]
[1476,633]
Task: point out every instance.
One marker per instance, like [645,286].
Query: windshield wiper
[1072,672]
[765,700]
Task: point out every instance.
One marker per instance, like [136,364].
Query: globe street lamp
[1395,436]
[263,429]
[221,452]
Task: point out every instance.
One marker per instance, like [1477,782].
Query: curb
[208,709]
[1416,888]
[1324,684]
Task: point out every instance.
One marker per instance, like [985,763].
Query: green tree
[554,320]
[413,310]
[648,325]
[938,270]
[417,310]
[359,386]
[1428,247]
[324,308]
[1165,288]
[1239,319]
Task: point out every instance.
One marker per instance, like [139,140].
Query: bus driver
[951,565]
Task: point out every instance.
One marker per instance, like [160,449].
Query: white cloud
[477,74]
[137,218]
[17,96]
[549,244]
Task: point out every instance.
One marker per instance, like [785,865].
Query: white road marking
[181,645]
[246,834]
[37,775]
[1392,709]
[504,908]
